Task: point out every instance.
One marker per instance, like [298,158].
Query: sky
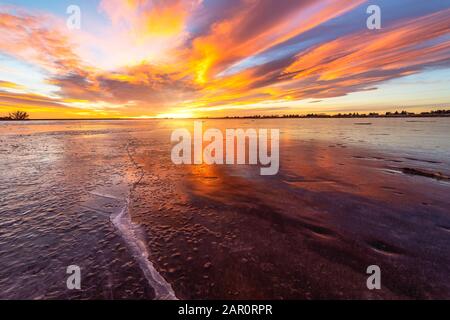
[197,58]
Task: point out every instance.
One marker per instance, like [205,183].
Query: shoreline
[239,118]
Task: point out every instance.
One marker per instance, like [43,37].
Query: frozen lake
[343,200]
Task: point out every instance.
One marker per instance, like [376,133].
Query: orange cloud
[258,26]
[367,57]
[146,18]
[27,38]
[10,85]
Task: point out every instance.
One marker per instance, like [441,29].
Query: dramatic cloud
[37,40]
[197,57]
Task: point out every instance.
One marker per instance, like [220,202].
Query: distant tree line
[435,113]
[18,115]
[22,115]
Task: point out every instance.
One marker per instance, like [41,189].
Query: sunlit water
[339,203]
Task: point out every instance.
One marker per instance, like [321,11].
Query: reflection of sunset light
[183,58]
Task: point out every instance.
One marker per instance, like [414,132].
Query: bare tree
[19,115]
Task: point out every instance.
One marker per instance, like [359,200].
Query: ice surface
[341,202]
